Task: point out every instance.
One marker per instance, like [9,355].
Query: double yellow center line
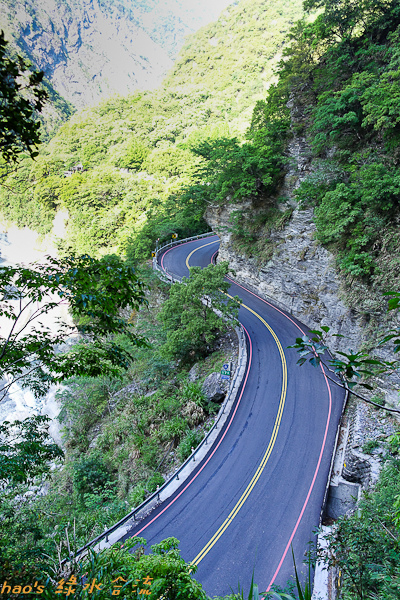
[271,444]
[199,248]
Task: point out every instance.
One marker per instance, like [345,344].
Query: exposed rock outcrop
[194,373]
[301,276]
[91,49]
[85,49]
[213,389]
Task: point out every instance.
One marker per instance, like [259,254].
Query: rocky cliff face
[301,276]
[93,48]
[86,52]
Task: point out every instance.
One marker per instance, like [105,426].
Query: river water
[25,246]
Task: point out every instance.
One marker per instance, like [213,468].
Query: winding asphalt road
[261,487]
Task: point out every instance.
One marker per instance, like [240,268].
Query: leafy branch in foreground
[95,292]
[352,366]
[26,450]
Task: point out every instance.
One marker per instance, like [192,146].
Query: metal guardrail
[171,276]
[184,240]
[154,499]
[167,275]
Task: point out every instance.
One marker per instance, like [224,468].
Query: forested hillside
[141,179]
[348,88]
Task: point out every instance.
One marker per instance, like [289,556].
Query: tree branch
[6,387]
[13,327]
[31,318]
[395,410]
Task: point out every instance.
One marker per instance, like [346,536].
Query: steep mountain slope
[91,49]
[231,62]
[140,179]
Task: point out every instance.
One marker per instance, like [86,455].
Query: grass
[370,446]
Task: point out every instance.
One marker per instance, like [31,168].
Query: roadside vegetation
[343,70]
[365,545]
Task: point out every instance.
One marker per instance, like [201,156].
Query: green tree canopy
[95,290]
[26,449]
[236,170]
[21,95]
[188,315]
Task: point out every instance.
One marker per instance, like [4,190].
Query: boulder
[194,373]
[213,389]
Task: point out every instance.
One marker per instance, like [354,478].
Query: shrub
[192,391]
[370,446]
[394,443]
[193,413]
[378,399]
[83,403]
[90,475]
[154,481]
[150,452]
[137,495]
[174,428]
[191,440]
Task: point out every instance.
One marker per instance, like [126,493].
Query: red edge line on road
[322,447]
[311,486]
[248,370]
[180,245]
[216,447]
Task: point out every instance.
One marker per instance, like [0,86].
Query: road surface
[261,487]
